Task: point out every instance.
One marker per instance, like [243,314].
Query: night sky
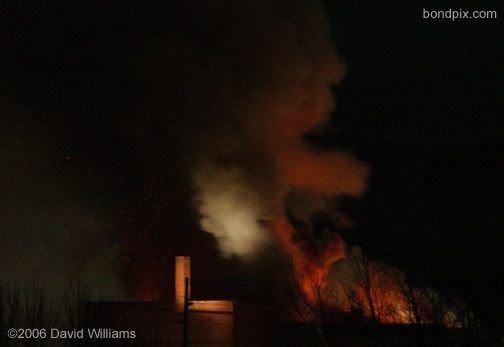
[89,171]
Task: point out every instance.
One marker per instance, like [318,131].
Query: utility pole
[185,339]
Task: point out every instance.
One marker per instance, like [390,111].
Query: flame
[310,263]
[382,301]
[379,299]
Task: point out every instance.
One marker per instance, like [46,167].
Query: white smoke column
[229,209]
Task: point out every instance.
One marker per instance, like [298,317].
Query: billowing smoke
[238,85]
[228,203]
[264,73]
[267,69]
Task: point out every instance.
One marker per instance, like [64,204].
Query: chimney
[182,271]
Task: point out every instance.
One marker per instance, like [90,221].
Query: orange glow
[310,264]
[380,299]
[182,271]
[326,173]
[211,306]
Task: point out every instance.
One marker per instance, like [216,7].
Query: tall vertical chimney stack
[182,271]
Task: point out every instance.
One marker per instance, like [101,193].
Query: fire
[310,261]
[381,301]
[372,290]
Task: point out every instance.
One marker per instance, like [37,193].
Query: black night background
[94,185]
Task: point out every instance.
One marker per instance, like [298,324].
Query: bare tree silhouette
[10,311]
